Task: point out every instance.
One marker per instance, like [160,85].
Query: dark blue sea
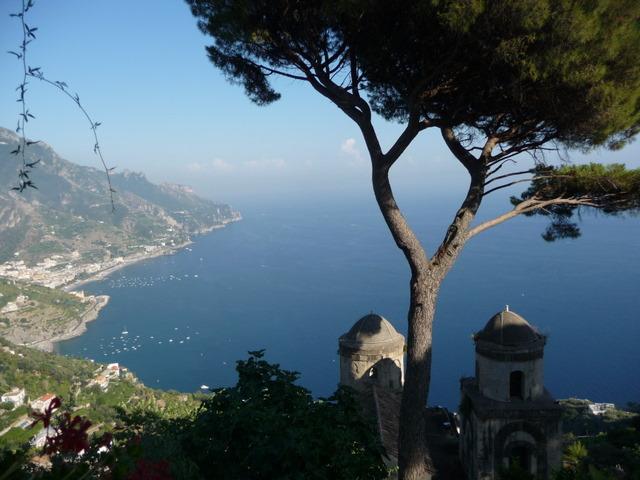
[294,275]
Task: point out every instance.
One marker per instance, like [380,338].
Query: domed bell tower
[506,413]
[372,353]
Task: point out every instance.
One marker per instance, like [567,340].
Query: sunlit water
[292,278]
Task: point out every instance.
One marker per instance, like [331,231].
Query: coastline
[135,258]
[48,345]
[139,257]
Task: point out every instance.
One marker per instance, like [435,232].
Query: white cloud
[221,165]
[265,164]
[349,148]
[215,165]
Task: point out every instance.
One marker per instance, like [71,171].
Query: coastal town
[63,270]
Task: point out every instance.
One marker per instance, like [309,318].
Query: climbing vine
[29,72]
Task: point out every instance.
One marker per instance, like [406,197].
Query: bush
[266,427]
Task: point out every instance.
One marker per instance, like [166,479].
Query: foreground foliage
[266,427]
[613,189]
[601,447]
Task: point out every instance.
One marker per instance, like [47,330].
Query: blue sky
[140,69]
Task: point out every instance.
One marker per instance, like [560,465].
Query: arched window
[521,455]
[516,385]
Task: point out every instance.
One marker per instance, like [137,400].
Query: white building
[42,403]
[101,381]
[601,408]
[21,300]
[9,307]
[16,396]
[40,438]
[112,370]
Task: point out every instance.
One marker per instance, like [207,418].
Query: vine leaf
[28,35]
[30,31]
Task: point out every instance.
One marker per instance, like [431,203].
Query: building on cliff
[372,354]
[506,413]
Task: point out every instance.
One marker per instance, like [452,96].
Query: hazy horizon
[165,110]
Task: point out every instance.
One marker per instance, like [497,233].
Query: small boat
[125,332]
[204,387]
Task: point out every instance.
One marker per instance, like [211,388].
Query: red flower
[71,436]
[45,417]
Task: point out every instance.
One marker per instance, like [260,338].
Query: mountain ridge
[70,211]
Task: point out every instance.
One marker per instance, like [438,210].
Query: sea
[295,274]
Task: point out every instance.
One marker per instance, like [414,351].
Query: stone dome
[371,332]
[507,328]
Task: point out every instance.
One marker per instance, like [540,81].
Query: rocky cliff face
[71,211]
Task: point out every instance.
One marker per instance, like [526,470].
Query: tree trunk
[412,447]
[414,460]
[426,278]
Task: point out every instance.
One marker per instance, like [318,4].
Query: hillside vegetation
[70,210]
[72,380]
[34,315]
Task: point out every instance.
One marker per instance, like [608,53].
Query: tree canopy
[525,76]
[529,71]
[497,78]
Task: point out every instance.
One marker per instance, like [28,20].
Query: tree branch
[403,235]
[506,175]
[413,128]
[270,71]
[352,105]
[355,80]
[525,147]
[461,153]
[506,185]
[519,181]
[529,206]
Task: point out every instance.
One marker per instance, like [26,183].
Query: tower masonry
[372,353]
[506,414]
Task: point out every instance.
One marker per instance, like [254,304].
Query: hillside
[37,316]
[86,388]
[70,212]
